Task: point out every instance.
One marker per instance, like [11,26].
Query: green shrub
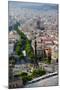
[41,72]
[29,77]
[34,73]
[25,77]
[23,74]
[38,72]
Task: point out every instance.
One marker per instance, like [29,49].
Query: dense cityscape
[33,44]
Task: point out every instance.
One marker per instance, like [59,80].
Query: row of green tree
[24,44]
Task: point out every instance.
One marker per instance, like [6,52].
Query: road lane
[51,81]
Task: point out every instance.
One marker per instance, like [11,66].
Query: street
[51,81]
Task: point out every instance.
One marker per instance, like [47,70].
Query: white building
[13,36]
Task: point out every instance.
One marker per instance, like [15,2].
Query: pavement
[50,68]
[51,81]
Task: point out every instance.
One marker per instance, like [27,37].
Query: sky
[36,6]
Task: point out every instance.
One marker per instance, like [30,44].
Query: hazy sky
[37,6]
